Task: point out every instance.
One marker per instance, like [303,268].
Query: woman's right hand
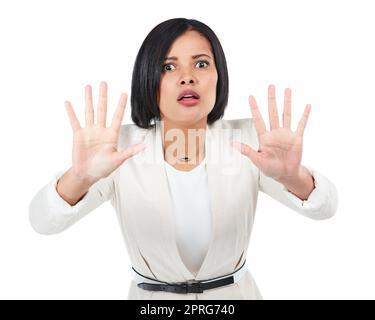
[95,153]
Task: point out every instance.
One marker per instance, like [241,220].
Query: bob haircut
[148,68]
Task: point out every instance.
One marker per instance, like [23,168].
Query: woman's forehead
[191,47]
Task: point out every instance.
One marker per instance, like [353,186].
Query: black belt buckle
[193,287]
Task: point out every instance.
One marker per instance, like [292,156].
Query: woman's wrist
[72,187]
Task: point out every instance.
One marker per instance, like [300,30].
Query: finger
[129,152]
[89,106]
[272,109]
[247,151]
[287,116]
[119,114]
[302,123]
[102,105]
[258,120]
[72,116]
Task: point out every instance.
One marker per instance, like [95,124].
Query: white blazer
[138,191]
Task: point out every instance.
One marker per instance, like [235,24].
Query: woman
[185,208]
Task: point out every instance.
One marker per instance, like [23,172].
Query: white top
[189,192]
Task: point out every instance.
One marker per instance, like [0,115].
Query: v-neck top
[189,193]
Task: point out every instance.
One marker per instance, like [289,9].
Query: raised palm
[280,149]
[95,153]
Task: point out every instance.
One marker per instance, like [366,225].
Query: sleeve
[321,203]
[49,213]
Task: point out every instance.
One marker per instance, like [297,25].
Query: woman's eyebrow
[193,57]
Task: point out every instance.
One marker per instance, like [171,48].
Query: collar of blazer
[229,193]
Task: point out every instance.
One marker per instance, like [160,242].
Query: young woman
[185,207]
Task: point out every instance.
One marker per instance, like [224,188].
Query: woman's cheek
[212,87]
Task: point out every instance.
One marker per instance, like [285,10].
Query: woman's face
[185,72]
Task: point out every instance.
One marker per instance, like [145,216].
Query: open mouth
[189,98]
[188,101]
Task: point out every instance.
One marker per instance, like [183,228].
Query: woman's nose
[187,80]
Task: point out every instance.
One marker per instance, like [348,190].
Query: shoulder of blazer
[249,134]
[131,134]
[245,125]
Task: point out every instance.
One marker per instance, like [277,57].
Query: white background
[324,51]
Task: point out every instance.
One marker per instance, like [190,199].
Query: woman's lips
[189,101]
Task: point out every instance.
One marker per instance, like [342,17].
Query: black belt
[194,286]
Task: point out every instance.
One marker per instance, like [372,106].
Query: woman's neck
[183,144]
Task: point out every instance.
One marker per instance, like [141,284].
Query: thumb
[247,151]
[130,151]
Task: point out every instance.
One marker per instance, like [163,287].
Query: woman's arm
[50,213]
[71,188]
[321,203]
[302,185]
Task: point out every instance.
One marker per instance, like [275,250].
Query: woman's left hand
[280,149]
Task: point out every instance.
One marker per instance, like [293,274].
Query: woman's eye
[169,64]
[203,61]
[166,65]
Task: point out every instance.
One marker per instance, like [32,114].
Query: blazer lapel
[223,170]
